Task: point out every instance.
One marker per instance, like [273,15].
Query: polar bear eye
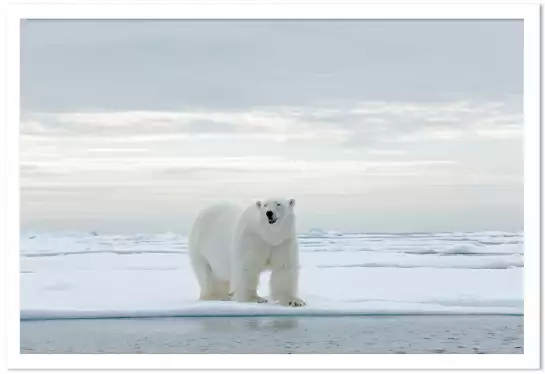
[277,204]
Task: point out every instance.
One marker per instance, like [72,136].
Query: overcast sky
[372,126]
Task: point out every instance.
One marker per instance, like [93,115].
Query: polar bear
[229,248]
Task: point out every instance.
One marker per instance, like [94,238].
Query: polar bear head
[275,211]
[277,215]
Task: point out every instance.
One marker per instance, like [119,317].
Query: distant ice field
[74,275]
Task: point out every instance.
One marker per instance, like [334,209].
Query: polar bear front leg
[246,286]
[248,263]
[283,285]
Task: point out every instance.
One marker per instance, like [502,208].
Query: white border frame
[530,13]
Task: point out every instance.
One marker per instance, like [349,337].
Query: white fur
[209,250]
[230,248]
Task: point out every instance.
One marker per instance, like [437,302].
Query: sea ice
[72,275]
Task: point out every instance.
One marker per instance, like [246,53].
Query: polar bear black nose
[269,214]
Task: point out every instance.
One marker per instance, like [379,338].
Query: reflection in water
[280,323]
[237,324]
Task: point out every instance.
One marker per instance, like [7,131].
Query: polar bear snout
[271,217]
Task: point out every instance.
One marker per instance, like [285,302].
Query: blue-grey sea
[288,335]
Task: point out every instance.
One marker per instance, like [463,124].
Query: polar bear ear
[258,204]
[292,203]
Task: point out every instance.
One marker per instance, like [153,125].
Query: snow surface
[72,275]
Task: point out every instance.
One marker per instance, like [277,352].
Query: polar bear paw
[251,299]
[295,302]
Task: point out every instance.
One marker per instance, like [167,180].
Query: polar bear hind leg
[211,287]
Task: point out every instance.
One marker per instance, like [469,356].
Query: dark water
[401,334]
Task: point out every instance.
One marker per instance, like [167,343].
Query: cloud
[248,164]
[360,123]
[117,150]
[176,65]
[155,118]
